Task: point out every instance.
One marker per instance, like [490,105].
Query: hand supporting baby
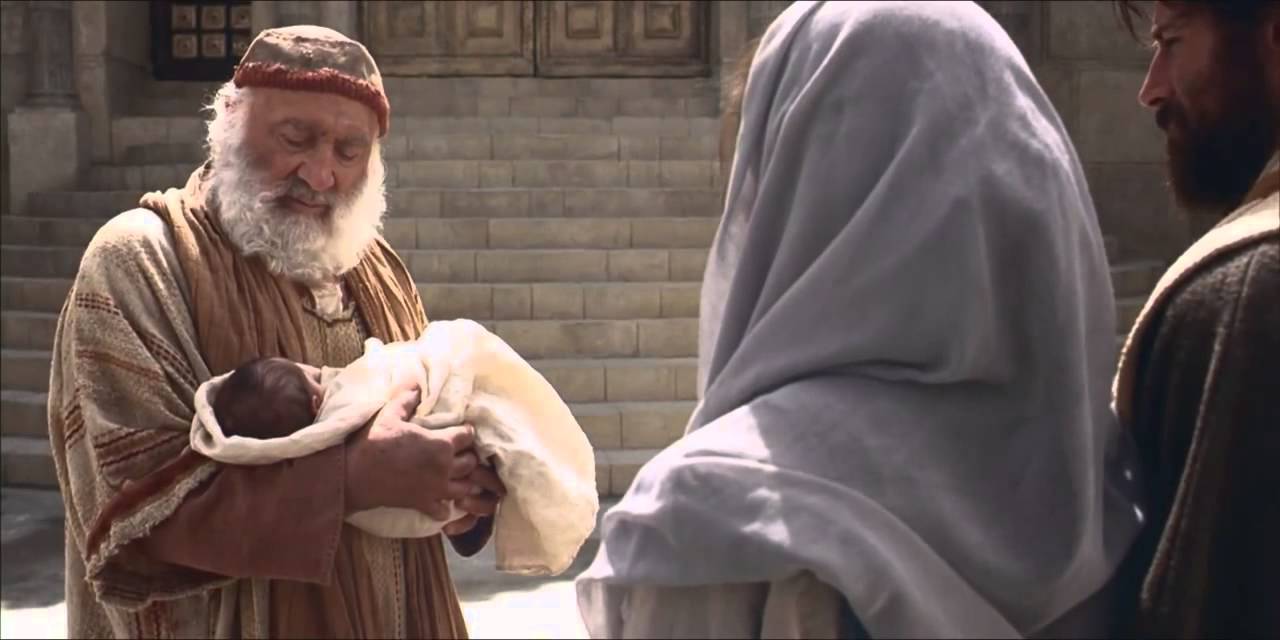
[395,463]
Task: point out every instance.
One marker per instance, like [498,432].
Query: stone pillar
[264,16]
[48,133]
[341,16]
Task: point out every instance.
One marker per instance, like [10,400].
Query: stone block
[703,107]
[395,147]
[598,107]
[1021,20]
[654,425]
[652,107]
[1135,206]
[544,106]
[452,301]
[555,301]
[681,299]
[573,338]
[638,148]
[137,131]
[542,266]
[705,127]
[495,174]
[651,126]
[485,204]
[443,266]
[400,233]
[688,265]
[558,147]
[638,203]
[687,381]
[638,265]
[622,301]
[601,423]
[668,338]
[438,146]
[1091,31]
[545,203]
[515,125]
[552,233]
[701,147]
[639,380]
[559,87]
[673,233]
[451,233]
[643,174]
[186,131]
[556,173]
[417,124]
[49,148]
[583,126]
[1112,126]
[13,29]
[687,173]
[450,174]
[417,203]
[488,107]
[575,381]
[512,302]
[1059,83]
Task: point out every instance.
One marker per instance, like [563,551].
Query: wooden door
[623,38]
[476,37]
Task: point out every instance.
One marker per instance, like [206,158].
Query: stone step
[24,413]
[443,233]
[452,266]
[24,370]
[28,462]
[504,146]
[484,301]
[626,202]
[580,380]
[608,425]
[617,338]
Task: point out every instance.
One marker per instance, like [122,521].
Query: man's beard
[1215,159]
[306,248]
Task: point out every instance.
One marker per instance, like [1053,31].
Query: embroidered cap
[312,58]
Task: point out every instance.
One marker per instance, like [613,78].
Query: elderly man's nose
[318,171]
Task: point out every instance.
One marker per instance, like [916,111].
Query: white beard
[307,249]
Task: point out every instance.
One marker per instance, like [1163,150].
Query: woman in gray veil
[907,340]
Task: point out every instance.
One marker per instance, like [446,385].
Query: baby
[268,398]
[274,409]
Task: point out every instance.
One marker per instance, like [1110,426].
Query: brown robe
[1199,388]
[163,542]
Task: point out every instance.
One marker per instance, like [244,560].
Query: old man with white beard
[272,248]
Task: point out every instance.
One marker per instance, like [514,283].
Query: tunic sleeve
[151,519]
[1207,419]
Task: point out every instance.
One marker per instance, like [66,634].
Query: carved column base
[48,150]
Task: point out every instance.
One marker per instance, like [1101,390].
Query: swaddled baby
[274,409]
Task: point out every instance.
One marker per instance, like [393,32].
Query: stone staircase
[581,241]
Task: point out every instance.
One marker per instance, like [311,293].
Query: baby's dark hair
[265,398]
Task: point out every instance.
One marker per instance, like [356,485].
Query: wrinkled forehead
[317,112]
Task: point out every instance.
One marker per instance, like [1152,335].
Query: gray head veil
[907,339]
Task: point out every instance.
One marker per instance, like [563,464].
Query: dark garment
[1206,416]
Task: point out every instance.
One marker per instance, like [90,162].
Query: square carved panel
[184,17]
[407,20]
[582,21]
[662,20]
[239,44]
[185,46]
[242,18]
[213,45]
[484,19]
[213,18]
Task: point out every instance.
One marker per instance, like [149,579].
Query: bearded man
[1197,379]
[271,249]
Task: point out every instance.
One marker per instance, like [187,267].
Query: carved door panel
[622,38]
[477,37]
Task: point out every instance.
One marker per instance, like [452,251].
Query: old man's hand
[395,463]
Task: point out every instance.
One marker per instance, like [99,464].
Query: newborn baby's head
[268,398]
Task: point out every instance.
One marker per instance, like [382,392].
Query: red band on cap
[278,76]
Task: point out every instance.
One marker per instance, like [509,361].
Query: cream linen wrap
[469,375]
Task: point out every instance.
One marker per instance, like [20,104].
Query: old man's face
[299,178]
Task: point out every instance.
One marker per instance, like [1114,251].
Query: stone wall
[13,79]
[112,60]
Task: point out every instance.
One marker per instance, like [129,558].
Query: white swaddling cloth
[468,375]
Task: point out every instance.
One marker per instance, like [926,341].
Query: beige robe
[208,551]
